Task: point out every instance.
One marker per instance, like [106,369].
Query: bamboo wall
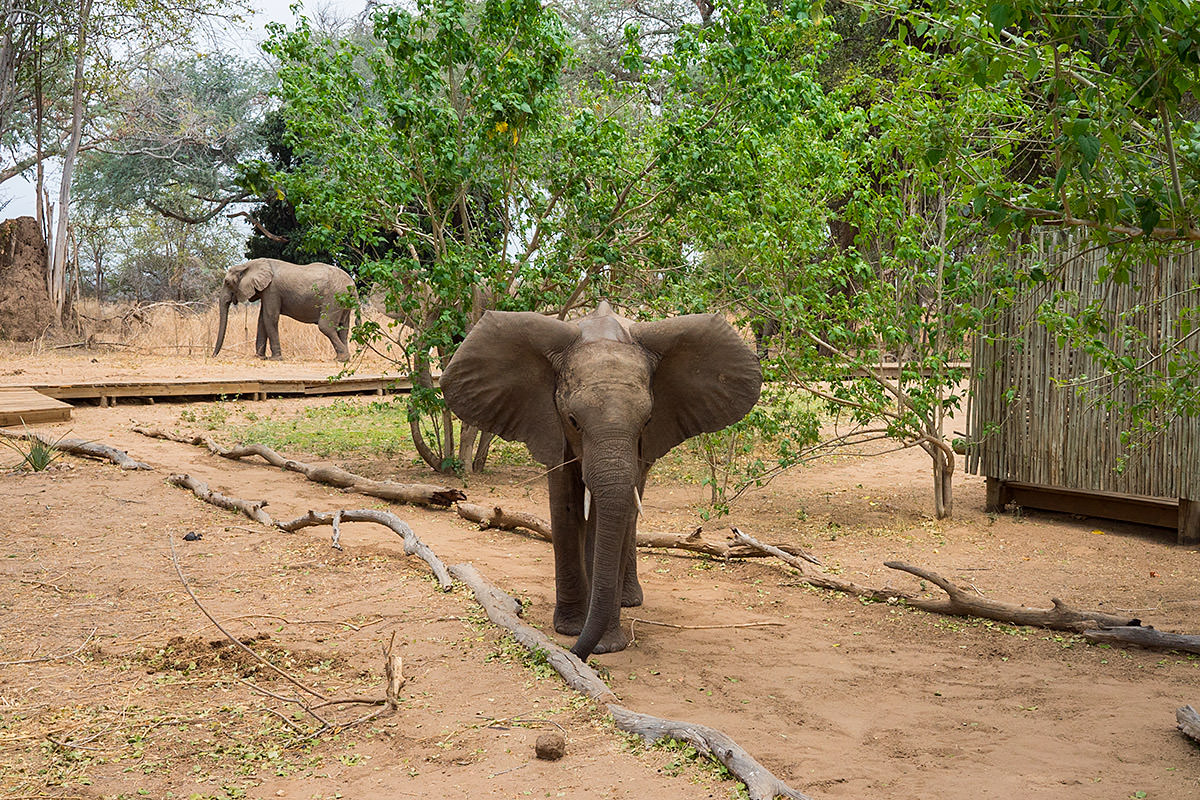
[1052,434]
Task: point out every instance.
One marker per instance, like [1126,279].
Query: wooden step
[22,405]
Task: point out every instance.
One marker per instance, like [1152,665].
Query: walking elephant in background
[598,400]
[313,293]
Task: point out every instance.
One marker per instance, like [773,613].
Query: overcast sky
[245,39]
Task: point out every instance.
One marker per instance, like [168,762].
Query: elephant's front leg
[571,584]
[260,337]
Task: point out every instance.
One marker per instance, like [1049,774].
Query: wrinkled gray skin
[599,400]
[304,292]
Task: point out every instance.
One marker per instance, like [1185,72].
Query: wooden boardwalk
[20,405]
[106,393]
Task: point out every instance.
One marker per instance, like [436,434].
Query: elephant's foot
[276,357]
[344,358]
[613,640]
[568,620]
[631,593]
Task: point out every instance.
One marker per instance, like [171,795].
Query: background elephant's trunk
[221,325]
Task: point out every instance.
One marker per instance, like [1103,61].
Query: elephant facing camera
[598,400]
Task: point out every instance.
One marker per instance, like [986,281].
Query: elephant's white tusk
[587,502]
[637,498]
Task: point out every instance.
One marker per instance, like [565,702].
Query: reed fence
[1043,412]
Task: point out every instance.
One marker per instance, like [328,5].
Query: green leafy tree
[177,133]
[446,153]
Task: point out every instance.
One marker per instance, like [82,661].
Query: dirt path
[843,700]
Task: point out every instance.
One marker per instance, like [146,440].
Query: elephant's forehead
[606,361]
[608,327]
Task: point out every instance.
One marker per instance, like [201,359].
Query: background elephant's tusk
[637,499]
[587,502]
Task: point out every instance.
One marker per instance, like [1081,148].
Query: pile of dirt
[189,653]
[25,308]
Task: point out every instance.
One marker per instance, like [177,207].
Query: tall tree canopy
[446,155]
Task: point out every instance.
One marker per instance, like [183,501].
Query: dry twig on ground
[393,670]
[59,657]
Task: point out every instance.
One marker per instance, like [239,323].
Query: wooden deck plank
[24,405]
[240,387]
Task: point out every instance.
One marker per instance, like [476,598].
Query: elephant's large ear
[502,379]
[706,378]
[252,277]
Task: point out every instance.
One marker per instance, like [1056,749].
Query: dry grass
[181,329]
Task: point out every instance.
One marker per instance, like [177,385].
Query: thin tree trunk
[423,378]
[943,497]
[38,129]
[467,435]
[481,451]
[58,264]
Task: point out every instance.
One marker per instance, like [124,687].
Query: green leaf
[1089,148]
[1000,15]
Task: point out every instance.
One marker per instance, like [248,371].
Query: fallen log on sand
[413,546]
[418,494]
[1188,722]
[694,542]
[253,509]
[1096,626]
[1144,636]
[80,447]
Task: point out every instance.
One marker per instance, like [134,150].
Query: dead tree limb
[80,447]
[418,494]
[497,517]
[960,603]
[1144,636]
[1188,722]
[760,783]
[251,509]
[412,544]
[694,542]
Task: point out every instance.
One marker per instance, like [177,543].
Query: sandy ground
[841,699]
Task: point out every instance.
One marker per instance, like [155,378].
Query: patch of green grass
[344,427]
[510,650]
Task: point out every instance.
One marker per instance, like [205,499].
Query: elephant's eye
[573,422]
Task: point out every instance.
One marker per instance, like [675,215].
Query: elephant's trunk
[221,325]
[616,517]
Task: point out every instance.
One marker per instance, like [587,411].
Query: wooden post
[997,496]
[1189,521]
